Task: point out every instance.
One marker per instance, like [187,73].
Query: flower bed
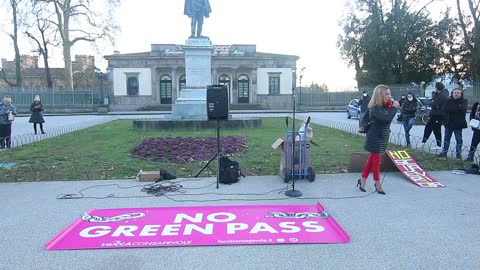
[180,149]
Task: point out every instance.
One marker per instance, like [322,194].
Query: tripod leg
[206,165]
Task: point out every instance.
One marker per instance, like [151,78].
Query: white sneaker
[436,148]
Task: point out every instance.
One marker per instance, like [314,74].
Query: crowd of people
[447,110]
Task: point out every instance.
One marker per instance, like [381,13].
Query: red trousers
[372,165]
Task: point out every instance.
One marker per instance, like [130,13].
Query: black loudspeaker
[217,102]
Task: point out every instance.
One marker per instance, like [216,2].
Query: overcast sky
[306,28]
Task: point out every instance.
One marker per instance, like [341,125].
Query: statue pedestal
[192,102]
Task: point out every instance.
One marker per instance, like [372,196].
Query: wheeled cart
[295,159]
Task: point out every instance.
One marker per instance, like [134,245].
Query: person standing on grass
[409,109]
[455,121]
[37,118]
[437,115]
[6,109]
[382,110]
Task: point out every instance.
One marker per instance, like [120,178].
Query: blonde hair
[378,95]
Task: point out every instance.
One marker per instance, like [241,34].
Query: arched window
[165,89]
[224,80]
[243,89]
[182,82]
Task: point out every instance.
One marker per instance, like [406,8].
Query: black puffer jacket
[456,110]
[438,104]
[409,108]
[377,135]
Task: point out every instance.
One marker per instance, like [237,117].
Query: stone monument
[198,50]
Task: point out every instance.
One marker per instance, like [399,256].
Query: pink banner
[200,226]
[409,167]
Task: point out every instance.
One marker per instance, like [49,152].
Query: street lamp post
[101,90]
[300,85]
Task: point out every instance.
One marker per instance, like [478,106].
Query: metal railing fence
[332,99]
[75,99]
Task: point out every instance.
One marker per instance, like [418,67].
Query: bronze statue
[197,10]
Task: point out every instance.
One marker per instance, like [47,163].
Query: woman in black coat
[456,108]
[382,110]
[474,114]
[37,118]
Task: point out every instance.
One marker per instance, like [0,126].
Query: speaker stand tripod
[217,156]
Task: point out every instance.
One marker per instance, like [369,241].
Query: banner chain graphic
[300,215]
[91,218]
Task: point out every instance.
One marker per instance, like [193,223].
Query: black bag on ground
[229,171]
[364,123]
[474,169]
[166,175]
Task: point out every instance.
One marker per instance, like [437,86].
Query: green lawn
[103,152]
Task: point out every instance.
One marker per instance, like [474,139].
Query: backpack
[229,171]
[364,124]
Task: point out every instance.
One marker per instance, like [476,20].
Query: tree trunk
[68,65]
[18,67]
[47,71]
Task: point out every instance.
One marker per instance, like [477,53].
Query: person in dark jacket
[37,118]
[382,110]
[363,104]
[6,108]
[437,115]
[474,114]
[409,108]
[456,109]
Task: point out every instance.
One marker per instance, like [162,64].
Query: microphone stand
[293,192]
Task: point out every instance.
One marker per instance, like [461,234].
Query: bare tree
[471,37]
[42,33]
[14,9]
[77,21]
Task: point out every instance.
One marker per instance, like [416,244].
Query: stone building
[157,77]
[34,77]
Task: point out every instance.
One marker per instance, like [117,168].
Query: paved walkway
[409,228]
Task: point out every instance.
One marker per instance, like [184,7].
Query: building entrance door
[243,89]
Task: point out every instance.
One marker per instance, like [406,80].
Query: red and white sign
[200,226]
[409,167]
